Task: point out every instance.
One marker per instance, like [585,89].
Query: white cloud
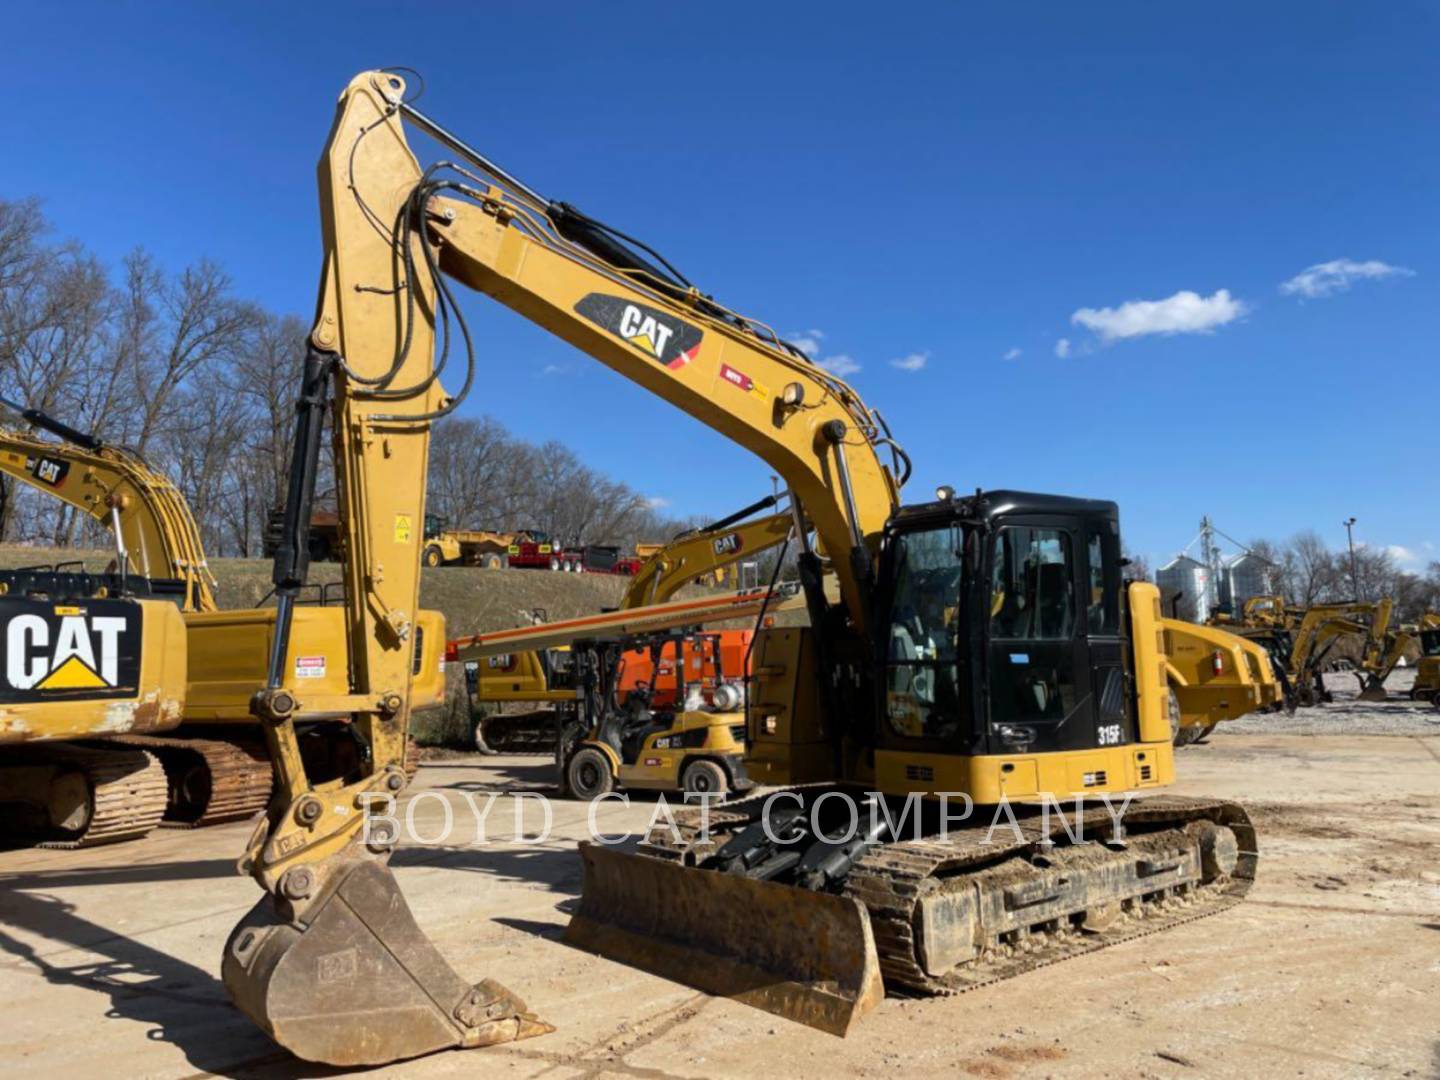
[657,502]
[841,365]
[1013,354]
[1062,348]
[807,341]
[554,369]
[1403,555]
[913,362]
[1184,313]
[1338,275]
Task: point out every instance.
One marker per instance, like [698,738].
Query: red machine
[542,553]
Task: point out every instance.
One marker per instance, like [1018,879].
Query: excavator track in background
[533,732]
[122,798]
[933,916]
[210,780]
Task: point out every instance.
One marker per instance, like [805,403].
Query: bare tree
[174,328]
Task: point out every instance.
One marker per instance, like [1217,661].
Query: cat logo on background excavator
[654,332]
[63,650]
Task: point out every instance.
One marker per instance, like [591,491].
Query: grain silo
[1247,575]
[1187,589]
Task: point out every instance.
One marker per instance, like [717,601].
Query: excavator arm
[330,961]
[155,534]
[703,551]
[568,274]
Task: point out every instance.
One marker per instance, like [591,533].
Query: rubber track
[891,881]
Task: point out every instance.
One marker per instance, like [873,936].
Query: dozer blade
[350,979]
[807,956]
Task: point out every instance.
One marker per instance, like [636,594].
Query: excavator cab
[1002,627]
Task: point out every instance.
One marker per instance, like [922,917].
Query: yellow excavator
[1301,639]
[1427,669]
[1213,675]
[201,759]
[982,647]
[102,657]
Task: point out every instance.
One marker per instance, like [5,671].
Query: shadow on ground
[183,1005]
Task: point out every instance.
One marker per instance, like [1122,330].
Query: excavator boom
[155,532]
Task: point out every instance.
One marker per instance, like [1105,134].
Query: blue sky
[960,183]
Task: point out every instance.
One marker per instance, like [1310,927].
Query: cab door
[1106,643]
[1038,660]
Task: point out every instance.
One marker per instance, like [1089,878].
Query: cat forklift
[687,736]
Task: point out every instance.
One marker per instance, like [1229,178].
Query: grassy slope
[472,600]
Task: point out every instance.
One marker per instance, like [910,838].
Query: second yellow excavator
[187,752]
[103,657]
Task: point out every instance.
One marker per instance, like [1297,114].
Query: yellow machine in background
[705,552]
[692,741]
[1213,676]
[1300,641]
[464,547]
[98,657]
[908,685]
[543,683]
[1427,671]
[185,748]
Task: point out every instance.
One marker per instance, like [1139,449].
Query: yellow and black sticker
[47,470]
[404,528]
[53,651]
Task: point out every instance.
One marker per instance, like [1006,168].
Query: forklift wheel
[589,774]
[705,778]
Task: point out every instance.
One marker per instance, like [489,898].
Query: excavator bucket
[350,979]
[1373,690]
[807,956]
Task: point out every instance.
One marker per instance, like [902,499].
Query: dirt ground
[109,959]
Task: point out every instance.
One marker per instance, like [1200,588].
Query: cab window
[1032,593]
[922,677]
[1102,560]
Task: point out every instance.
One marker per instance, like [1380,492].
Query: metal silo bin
[1186,588]
[1249,576]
